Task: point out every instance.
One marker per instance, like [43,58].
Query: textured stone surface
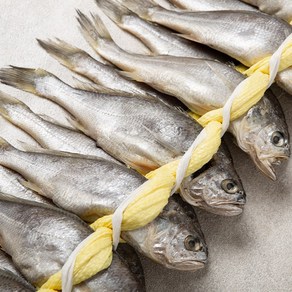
[252,252]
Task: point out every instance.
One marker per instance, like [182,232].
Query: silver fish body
[202,85]
[280,8]
[144,133]
[211,5]
[130,257]
[7,264]
[13,184]
[48,236]
[11,282]
[92,194]
[47,134]
[10,278]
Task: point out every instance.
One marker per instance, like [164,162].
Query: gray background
[252,252]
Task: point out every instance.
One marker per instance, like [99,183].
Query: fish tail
[8,99]
[94,32]
[140,7]
[36,81]
[63,52]
[113,9]
[21,78]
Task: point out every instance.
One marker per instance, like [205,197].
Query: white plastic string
[227,107]
[118,214]
[274,68]
[68,268]
[185,160]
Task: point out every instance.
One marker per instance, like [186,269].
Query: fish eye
[277,138]
[192,243]
[229,186]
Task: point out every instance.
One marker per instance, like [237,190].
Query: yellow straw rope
[97,254]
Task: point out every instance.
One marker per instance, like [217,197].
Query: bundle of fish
[129,117]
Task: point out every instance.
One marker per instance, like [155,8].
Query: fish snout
[241,198]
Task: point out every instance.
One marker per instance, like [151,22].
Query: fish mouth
[218,207]
[222,208]
[265,164]
[190,265]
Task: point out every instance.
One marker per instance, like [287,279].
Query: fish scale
[48,235]
[48,134]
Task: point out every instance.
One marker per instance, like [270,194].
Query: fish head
[216,187]
[177,241]
[263,133]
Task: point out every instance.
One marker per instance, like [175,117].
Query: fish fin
[90,86]
[114,10]
[131,75]
[100,27]
[140,7]
[160,142]
[166,5]
[10,198]
[30,80]
[141,166]
[31,186]
[67,54]
[30,148]
[22,78]
[92,33]
[77,125]
[16,278]
[50,119]
[187,37]
[56,122]
[62,51]
[122,38]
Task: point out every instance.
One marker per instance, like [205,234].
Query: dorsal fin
[9,198]
[29,148]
